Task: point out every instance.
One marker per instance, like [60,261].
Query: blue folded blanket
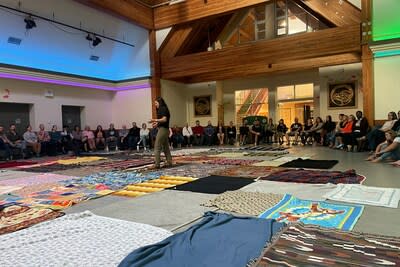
[217,240]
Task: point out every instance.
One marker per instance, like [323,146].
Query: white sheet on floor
[188,151]
[303,191]
[368,195]
[5,189]
[80,239]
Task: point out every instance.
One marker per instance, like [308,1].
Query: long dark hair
[162,103]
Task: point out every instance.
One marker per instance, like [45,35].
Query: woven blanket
[264,148]
[214,184]
[30,189]
[13,164]
[247,171]
[303,191]
[8,174]
[232,161]
[81,239]
[308,245]
[291,210]
[124,164]
[79,160]
[248,203]
[315,177]
[81,172]
[231,154]
[14,218]
[310,164]
[56,198]
[192,159]
[368,195]
[189,151]
[36,179]
[268,163]
[218,240]
[192,170]
[111,180]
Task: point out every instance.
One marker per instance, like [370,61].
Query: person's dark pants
[6,148]
[132,141]
[209,140]
[44,148]
[375,137]
[188,141]
[162,143]
[177,140]
[199,140]
[76,146]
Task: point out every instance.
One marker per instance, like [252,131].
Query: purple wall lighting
[71,83]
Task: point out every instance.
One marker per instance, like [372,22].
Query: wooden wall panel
[340,13]
[175,40]
[257,69]
[302,46]
[169,15]
[132,11]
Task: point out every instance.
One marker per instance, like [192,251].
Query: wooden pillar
[367,61]
[155,68]
[219,94]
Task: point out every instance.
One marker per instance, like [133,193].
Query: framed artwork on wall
[342,95]
[202,105]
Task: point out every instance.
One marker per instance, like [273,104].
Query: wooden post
[367,62]
[155,68]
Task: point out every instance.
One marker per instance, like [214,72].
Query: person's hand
[154,124]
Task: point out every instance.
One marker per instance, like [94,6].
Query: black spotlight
[96,41]
[30,23]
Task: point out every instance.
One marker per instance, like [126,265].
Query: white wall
[387,86]
[100,107]
[175,97]
[131,105]
[337,74]
[200,89]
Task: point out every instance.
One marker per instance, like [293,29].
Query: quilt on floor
[225,234]
[247,171]
[192,170]
[8,174]
[310,164]
[315,177]
[36,179]
[14,164]
[192,159]
[291,209]
[79,160]
[233,161]
[103,241]
[368,195]
[214,184]
[124,164]
[248,203]
[14,217]
[309,245]
[5,189]
[54,167]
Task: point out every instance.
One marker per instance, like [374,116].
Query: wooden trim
[169,15]
[155,70]
[272,53]
[132,10]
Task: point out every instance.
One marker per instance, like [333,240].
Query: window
[298,91]
[285,92]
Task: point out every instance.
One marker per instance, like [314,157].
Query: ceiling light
[30,23]
[93,38]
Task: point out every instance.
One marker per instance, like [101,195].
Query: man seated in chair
[256,130]
[295,130]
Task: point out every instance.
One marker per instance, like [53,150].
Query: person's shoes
[339,146]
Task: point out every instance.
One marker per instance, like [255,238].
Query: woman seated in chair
[31,140]
[220,133]
[256,130]
[88,139]
[100,137]
[389,149]
[306,134]
[377,135]
[243,133]
[281,130]
[144,137]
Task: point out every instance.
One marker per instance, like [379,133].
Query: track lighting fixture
[93,38]
[30,23]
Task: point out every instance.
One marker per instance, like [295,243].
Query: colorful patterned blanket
[292,210]
[232,161]
[315,177]
[191,170]
[14,218]
[13,164]
[309,245]
[124,164]
[247,171]
[36,179]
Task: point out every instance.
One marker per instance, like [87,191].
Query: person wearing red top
[346,132]
[198,133]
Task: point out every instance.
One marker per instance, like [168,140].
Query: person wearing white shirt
[187,133]
[144,136]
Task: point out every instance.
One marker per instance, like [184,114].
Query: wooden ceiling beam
[302,46]
[169,15]
[131,11]
[257,69]
[339,13]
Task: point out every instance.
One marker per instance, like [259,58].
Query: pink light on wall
[72,83]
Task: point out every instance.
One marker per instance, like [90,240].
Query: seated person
[77,139]
[112,135]
[345,133]
[66,139]
[187,133]
[177,137]
[328,132]
[123,137]
[88,139]
[231,133]
[281,130]
[32,140]
[144,137]
[5,144]
[256,130]
[360,129]
[133,136]
[55,141]
[270,130]
[306,134]
[100,136]
[221,133]
[209,132]
[295,130]
[16,140]
[198,133]
[390,149]
[43,138]
[377,135]
[243,133]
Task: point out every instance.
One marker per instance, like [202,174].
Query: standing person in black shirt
[162,122]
